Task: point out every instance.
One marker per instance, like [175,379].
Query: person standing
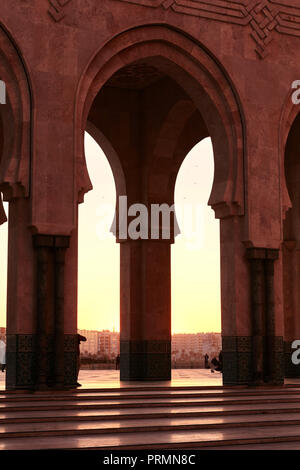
[79,339]
[206,357]
[2,355]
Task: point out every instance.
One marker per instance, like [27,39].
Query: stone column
[257,305]
[236,304]
[266,347]
[61,244]
[42,303]
[50,310]
[21,299]
[271,356]
[145,310]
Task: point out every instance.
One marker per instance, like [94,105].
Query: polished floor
[193,411]
[111,378]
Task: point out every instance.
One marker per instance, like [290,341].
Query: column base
[21,367]
[145,360]
[21,362]
[238,362]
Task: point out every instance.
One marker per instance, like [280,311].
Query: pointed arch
[15,120]
[194,68]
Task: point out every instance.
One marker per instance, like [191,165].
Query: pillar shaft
[21,299]
[50,310]
[59,315]
[42,303]
[266,346]
[236,304]
[145,310]
[257,301]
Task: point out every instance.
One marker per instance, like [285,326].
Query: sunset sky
[195,254]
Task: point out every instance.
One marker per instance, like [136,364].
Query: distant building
[103,343]
[115,344]
[188,349]
[108,343]
[90,346]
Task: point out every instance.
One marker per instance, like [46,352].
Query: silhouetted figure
[118,362]
[2,355]
[79,339]
[206,364]
[215,365]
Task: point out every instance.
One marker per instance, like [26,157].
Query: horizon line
[177,333]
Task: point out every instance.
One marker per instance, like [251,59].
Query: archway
[196,299]
[291,245]
[17,303]
[152,110]
[98,262]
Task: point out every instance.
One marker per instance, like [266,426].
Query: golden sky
[195,258]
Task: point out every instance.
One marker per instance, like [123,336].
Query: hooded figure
[2,355]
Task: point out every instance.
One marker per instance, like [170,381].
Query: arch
[16,119]
[115,165]
[175,143]
[289,114]
[97,282]
[111,156]
[190,65]
[198,250]
[290,172]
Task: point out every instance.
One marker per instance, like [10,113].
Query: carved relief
[263,16]
[56,9]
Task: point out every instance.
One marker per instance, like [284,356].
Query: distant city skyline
[187,348]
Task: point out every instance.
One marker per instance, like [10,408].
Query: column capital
[262,253]
[51,241]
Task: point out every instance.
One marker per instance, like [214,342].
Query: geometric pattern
[56,10]
[145,360]
[22,361]
[262,17]
[237,359]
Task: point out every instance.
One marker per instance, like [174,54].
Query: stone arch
[288,116]
[16,120]
[174,143]
[187,62]
[203,93]
[111,156]
[290,177]
[115,165]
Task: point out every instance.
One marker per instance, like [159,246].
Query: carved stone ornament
[262,16]
[56,9]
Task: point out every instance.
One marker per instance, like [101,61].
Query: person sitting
[215,365]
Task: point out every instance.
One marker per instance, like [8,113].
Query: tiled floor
[110,379]
[180,377]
